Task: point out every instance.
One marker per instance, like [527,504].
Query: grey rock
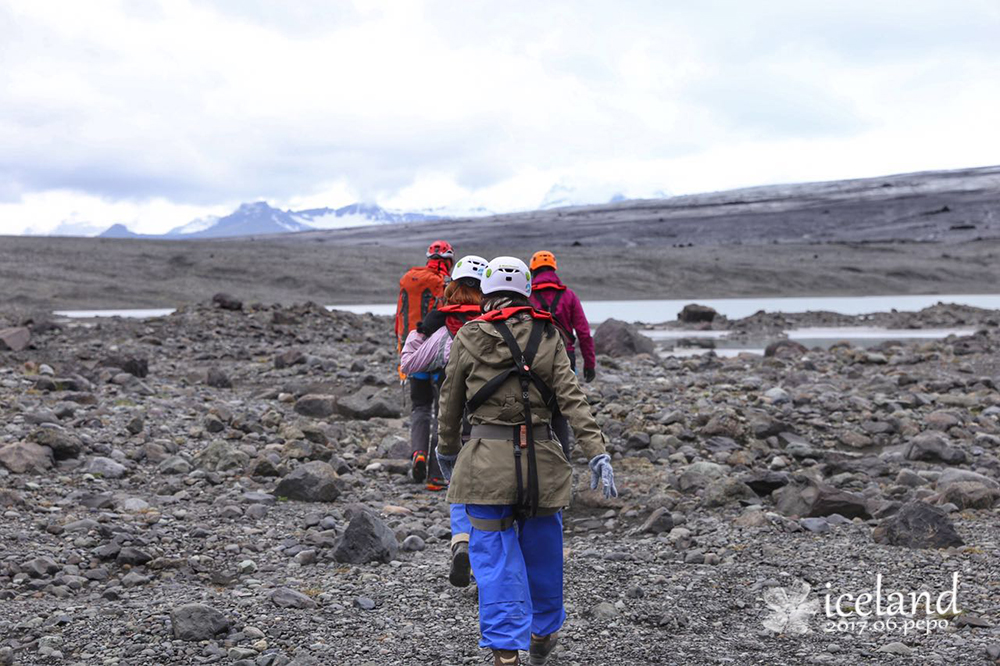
[413,543]
[617,338]
[316,406]
[952,475]
[896,648]
[21,457]
[284,597]
[366,405]
[133,556]
[969,495]
[64,445]
[815,525]
[289,358]
[366,539]
[726,491]
[219,456]
[603,612]
[692,313]
[786,349]
[659,521]
[918,525]
[810,499]
[198,622]
[700,474]
[14,339]
[364,603]
[216,378]
[777,395]
[174,465]
[40,567]
[933,446]
[106,467]
[226,301]
[314,481]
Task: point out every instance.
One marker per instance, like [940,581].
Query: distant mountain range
[260,219]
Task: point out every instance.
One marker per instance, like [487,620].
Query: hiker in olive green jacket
[514,477]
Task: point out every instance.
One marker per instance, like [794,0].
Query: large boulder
[367,404]
[695,314]
[367,539]
[198,622]
[106,467]
[953,475]
[933,446]
[289,358]
[918,525]
[315,481]
[788,349]
[226,301]
[21,457]
[315,405]
[617,338]
[700,474]
[810,499]
[969,495]
[727,491]
[220,456]
[14,339]
[63,444]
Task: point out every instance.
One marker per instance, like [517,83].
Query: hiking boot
[506,658]
[461,571]
[541,648]
[418,466]
[436,483]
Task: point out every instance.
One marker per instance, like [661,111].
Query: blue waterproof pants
[520,576]
[460,527]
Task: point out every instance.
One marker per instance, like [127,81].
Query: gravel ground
[164,492]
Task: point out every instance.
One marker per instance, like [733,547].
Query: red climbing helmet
[440,249]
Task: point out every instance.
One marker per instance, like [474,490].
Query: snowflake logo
[790,608]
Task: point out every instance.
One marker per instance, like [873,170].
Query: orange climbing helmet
[543,258]
[440,249]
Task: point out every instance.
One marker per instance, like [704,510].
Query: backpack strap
[523,362]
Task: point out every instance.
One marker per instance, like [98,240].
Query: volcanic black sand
[930,233]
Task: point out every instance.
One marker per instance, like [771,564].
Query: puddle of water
[148,313]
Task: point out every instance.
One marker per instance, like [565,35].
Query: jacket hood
[546,277]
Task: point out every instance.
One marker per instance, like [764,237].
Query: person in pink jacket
[548,293]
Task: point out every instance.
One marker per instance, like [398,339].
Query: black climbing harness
[522,434]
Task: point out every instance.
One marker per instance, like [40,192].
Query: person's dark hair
[542,269]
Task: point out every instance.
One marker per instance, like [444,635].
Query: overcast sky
[153,113]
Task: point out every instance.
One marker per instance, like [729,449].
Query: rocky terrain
[228,485]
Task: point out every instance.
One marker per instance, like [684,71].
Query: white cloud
[153,113]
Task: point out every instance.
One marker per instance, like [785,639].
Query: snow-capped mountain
[194,226]
[252,219]
[355,215]
[260,219]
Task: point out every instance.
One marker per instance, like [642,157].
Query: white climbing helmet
[506,274]
[469,266]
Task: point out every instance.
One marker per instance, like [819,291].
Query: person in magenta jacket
[548,293]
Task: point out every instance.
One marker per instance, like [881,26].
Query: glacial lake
[651,312]
[660,311]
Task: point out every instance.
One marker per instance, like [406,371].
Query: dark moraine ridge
[924,233]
